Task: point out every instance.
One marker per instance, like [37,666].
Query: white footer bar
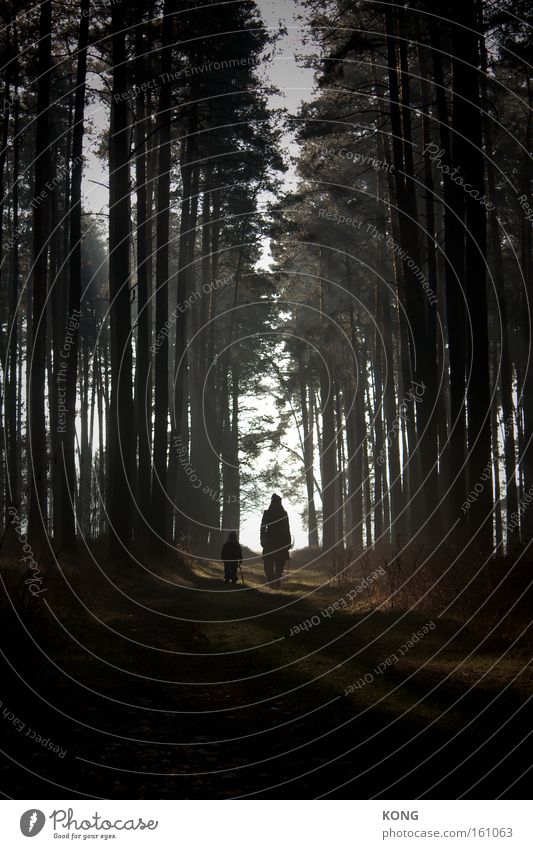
[267,824]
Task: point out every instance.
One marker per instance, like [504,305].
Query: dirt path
[177,686]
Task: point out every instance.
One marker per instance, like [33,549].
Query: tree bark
[308,458]
[67,445]
[37,348]
[121,408]
[506,368]
[11,370]
[468,147]
[4,352]
[421,451]
[143,387]
[160,512]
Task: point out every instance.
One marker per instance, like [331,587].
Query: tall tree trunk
[526,264]
[454,455]
[37,348]
[391,457]
[431,400]
[367,509]
[308,458]
[328,458]
[506,372]
[11,370]
[421,453]
[67,446]
[354,439]
[498,525]
[120,436]
[57,335]
[355,432]
[468,148]
[202,395]
[329,536]
[160,513]
[189,207]
[143,399]
[91,453]
[378,428]
[339,448]
[101,449]
[85,446]
[235,378]
[387,306]
[4,352]
[230,464]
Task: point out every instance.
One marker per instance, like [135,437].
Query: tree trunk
[453,458]
[328,458]
[121,409]
[468,147]
[101,449]
[85,446]
[526,264]
[367,509]
[308,457]
[160,523]
[498,525]
[230,464]
[431,471]
[11,370]
[4,352]
[67,447]
[506,373]
[37,348]
[421,451]
[57,335]
[378,427]
[189,207]
[143,388]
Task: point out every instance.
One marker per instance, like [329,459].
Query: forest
[217,284]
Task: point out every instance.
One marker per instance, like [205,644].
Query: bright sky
[295,83]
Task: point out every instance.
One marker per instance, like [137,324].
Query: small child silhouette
[231,555]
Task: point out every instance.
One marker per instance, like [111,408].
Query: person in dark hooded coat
[275,540]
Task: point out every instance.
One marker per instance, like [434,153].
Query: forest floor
[176,685]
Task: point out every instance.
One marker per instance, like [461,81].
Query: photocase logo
[32,822]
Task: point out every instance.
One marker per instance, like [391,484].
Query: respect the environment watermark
[375,233]
[402,254]
[187,72]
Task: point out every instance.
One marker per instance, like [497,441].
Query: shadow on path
[154,690]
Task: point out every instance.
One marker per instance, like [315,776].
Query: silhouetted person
[275,539]
[231,554]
